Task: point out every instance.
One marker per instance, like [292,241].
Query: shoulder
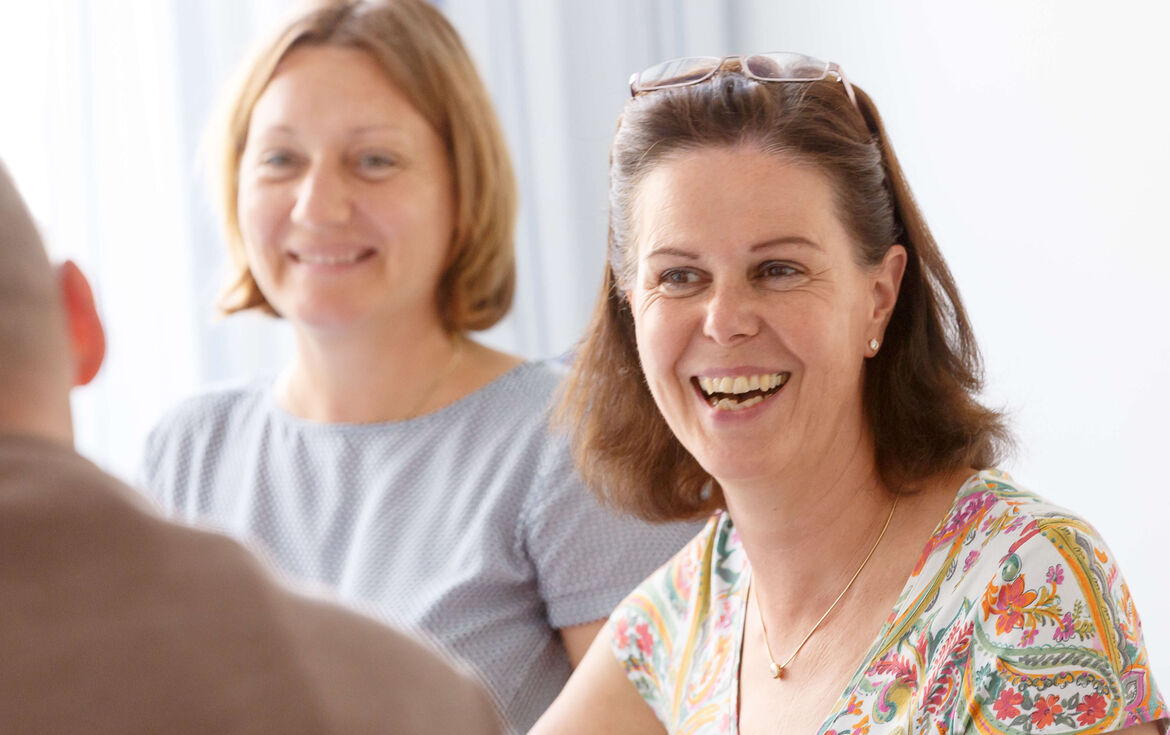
[391,675]
[198,430]
[1010,531]
[87,533]
[994,521]
[1037,567]
[93,556]
[541,377]
[1052,631]
[213,406]
[51,495]
[507,419]
[525,393]
[203,418]
[512,421]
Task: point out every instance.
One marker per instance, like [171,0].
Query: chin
[326,317]
[733,467]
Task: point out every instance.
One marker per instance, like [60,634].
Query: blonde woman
[369,202]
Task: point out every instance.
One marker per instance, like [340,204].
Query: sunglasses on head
[776,66]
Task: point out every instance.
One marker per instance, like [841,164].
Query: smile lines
[739,392]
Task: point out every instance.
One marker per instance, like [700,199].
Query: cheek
[832,350]
[258,224]
[421,222]
[661,336]
[259,211]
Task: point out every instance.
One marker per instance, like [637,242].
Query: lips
[735,393]
[331,257]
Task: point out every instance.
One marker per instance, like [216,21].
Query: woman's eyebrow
[357,130]
[786,240]
[770,243]
[376,128]
[672,250]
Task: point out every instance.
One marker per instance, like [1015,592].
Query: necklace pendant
[777,670]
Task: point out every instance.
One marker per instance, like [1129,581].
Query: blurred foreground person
[113,620]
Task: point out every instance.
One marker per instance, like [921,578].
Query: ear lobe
[87,338]
[887,283]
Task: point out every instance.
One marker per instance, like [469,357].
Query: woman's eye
[678,277]
[277,159]
[777,270]
[376,162]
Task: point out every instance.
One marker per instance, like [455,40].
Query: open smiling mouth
[740,392]
[331,259]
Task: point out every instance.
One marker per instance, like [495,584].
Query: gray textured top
[468,525]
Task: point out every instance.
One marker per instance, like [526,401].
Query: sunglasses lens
[677,72]
[781,67]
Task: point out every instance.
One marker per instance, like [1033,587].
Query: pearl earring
[874,344]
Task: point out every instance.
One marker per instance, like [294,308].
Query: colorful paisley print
[1015,620]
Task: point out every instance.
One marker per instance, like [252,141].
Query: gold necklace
[446,373]
[777,670]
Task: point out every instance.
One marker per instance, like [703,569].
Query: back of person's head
[423,56]
[49,330]
[32,325]
[920,390]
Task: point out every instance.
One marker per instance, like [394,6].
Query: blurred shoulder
[216,405]
[511,415]
[529,386]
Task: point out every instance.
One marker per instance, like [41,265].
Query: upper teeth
[328,259]
[742,383]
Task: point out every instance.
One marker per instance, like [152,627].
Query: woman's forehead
[742,195]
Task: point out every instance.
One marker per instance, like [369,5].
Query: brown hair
[422,55]
[919,390]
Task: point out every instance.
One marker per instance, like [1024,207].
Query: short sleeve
[1057,644]
[587,558]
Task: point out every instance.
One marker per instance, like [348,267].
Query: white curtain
[103,106]
[1033,134]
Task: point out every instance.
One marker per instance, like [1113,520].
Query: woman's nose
[732,315]
[322,198]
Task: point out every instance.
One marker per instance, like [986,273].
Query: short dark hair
[920,390]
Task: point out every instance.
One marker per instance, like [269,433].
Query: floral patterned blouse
[1015,620]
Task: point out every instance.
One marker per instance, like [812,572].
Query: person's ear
[87,338]
[887,282]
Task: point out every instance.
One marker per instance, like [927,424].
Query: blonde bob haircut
[422,55]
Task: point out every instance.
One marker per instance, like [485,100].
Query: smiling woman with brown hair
[368,201]
[782,329]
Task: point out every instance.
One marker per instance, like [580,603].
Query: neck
[806,534]
[365,378]
[44,418]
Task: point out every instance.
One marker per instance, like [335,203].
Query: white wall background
[1038,143]
[1035,135]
